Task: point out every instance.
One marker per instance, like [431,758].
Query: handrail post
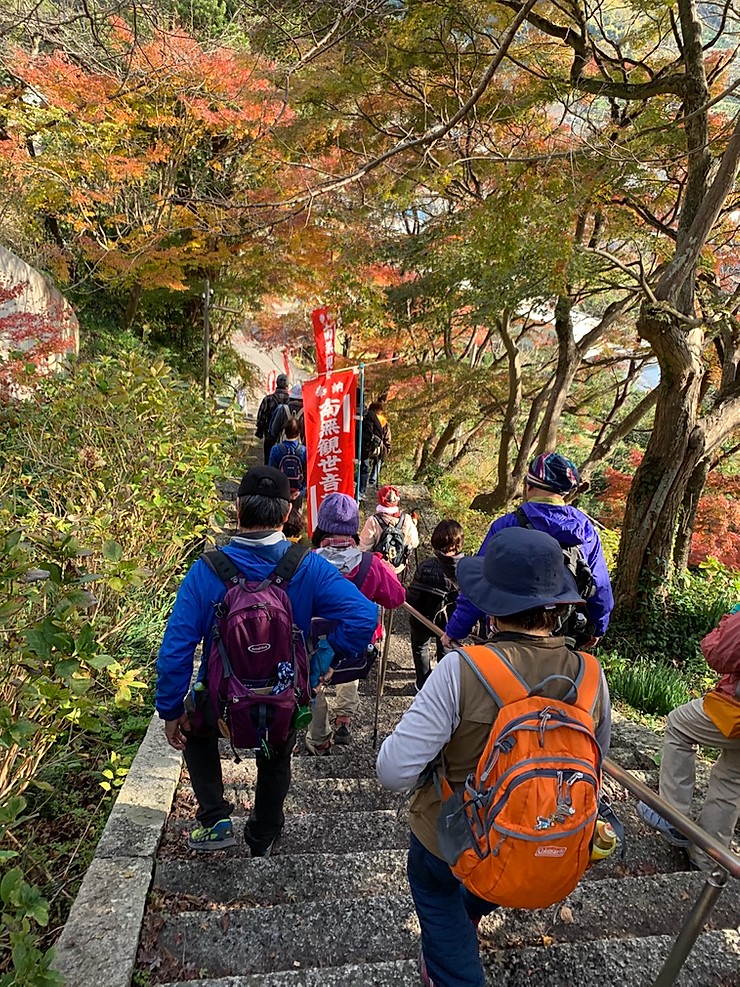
[695,922]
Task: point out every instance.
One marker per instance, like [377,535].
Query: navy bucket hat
[521,569]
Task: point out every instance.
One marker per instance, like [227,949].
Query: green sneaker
[220,836]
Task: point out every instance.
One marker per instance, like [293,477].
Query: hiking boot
[655,821]
[318,749]
[342,734]
[220,836]
[423,972]
[260,851]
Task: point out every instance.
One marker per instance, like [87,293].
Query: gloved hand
[321,661]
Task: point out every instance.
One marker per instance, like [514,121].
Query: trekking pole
[433,627]
[359,431]
[387,622]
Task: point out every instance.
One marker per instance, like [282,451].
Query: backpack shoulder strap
[522,518]
[588,682]
[382,520]
[499,678]
[364,567]
[220,563]
[288,565]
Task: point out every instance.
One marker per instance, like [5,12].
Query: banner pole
[359,430]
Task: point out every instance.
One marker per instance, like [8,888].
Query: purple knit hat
[338,515]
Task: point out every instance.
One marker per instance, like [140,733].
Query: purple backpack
[257,666]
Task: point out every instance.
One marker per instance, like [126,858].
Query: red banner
[271,381]
[286,363]
[329,417]
[324,331]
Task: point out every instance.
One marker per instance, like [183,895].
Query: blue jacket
[567,525]
[316,590]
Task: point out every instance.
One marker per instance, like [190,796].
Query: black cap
[265,481]
[282,381]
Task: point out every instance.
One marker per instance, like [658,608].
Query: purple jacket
[567,525]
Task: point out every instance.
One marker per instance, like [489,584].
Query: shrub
[106,490]
[647,685]
[670,628]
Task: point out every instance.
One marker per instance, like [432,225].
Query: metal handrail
[699,837]
[729,862]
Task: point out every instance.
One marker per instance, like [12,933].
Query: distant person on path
[713,721]
[390,531]
[289,456]
[433,593]
[523,585]
[315,589]
[376,445]
[336,540]
[266,410]
[551,477]
[285,412]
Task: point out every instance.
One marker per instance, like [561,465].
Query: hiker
[551,477]
[376,445]
[433,592]
[310,587]
[266,410]
[523,585]
[713,721]
[390,531]
[294,528]
[336,539]
[285,412]
[289,456]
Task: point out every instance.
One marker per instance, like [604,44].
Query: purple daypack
[253,634]
[349,668]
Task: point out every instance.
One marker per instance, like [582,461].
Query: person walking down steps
[491,824]
[266,410]
[712,721]
[336,540]
[251,604]
[550,479]
[390,532]
[433,592]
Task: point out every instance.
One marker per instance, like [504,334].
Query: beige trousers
[688,727]
[347,704]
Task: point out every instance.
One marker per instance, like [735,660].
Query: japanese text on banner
[329,416]
[324,330]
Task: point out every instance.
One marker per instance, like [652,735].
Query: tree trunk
[568,363]
[675,447]
[132,305]
[687,516]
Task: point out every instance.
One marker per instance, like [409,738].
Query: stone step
[267,939]
[307,833]
[232,877]
[324,794]
[713,962]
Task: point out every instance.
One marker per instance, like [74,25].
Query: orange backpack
[519,832]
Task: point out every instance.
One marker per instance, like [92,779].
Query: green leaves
[112,551]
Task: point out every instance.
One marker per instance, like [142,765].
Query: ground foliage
[107,491]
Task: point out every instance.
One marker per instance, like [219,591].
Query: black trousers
[266,819]
[421,639]
[268,444]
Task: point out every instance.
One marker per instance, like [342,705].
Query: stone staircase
[332,907]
